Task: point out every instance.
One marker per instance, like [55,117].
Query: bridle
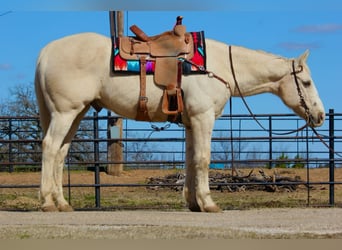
[307,111]
[308,115]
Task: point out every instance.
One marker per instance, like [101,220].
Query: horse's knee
[201,162]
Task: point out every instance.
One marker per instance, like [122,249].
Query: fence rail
[237,142]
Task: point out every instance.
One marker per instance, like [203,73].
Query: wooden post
[115,124]
[120,23]
[116,21]
[115,146]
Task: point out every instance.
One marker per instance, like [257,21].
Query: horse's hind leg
[54,150]
[198,140]
[62,204]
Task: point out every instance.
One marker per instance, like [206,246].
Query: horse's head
[298,92]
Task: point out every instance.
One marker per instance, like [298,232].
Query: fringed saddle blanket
[133,66]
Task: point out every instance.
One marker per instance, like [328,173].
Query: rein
[300,94]
[209,73]
[226,83]
[320,137]
[302,100]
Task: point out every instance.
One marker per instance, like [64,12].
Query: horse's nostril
[321,117]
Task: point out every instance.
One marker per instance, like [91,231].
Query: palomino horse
[74,72]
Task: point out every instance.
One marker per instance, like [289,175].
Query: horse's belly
[122,93]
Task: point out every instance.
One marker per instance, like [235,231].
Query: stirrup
[166,102]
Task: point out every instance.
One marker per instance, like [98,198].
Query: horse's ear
[302,59]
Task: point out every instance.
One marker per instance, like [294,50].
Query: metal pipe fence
[237,142]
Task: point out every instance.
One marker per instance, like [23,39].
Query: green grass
[167,199]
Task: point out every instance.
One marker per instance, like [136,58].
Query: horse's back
[77,50]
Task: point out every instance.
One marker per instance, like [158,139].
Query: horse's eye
[306,83]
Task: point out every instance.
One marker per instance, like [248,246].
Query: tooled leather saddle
[165,50]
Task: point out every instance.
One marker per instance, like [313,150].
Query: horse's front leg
[198,142]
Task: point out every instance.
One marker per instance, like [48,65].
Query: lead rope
[231,137]
[320,137]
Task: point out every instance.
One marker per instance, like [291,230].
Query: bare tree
[21,103]
[21,132]
[226,150]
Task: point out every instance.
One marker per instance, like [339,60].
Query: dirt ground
[250,223]
[309,223]
[140,176]
[142,198]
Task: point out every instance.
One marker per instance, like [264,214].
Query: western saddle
[165,50]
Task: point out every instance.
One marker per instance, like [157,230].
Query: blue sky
[286,28]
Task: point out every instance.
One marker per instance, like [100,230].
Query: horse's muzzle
[317,120]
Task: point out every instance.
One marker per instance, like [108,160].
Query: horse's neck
[257,71]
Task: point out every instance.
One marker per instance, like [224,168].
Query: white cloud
[298,46]
[319,28]
[5,66]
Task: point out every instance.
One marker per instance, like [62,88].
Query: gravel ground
[235,224]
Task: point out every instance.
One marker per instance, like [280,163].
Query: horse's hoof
[209,209]
[50,208]
[213,209]
[65,208]
[194,208]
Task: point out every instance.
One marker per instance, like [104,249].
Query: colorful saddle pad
[133,66]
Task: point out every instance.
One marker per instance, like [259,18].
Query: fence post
[114,146]
[307,165]
[331,158]
[270,148]
[96,159]
[10,147]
